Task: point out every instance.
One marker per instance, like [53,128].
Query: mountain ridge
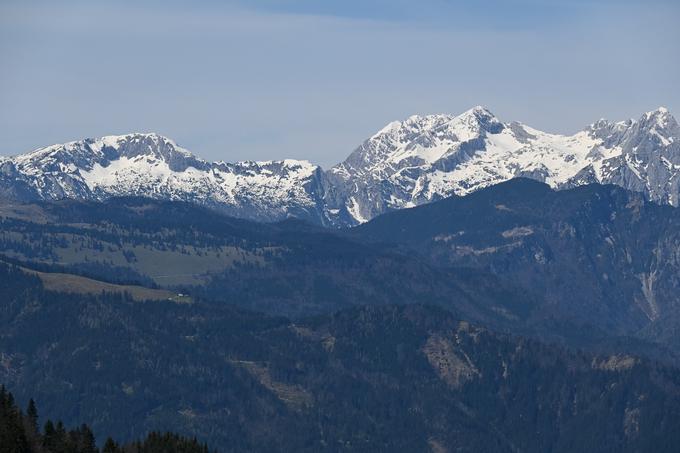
[407,163]
[594,254]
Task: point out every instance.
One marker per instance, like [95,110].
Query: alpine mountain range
[514,307]
[406,164]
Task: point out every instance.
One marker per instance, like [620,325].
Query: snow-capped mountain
[407,163]
[426,158]
[153,166]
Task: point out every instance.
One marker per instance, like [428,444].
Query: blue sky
[311,79]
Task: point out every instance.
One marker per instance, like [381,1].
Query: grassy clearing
[69,283]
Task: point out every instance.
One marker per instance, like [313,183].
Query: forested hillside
[593,267]
[20,433]
[408,378]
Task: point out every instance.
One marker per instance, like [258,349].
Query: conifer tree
[110,446]
[49,441]
[32,414]
[87,441]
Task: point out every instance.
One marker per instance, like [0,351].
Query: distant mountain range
[407,163]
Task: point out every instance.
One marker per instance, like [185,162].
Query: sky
[271,79]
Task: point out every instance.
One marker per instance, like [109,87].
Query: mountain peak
[661,117]
[660,124]
[479,111]
[658,111]
[133,136]
[407,163]
[94,146]
[482,117]
[151,140]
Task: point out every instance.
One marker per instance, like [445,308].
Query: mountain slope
[366,379]
[295,269]
[288,268]
[595,255]
[405,164]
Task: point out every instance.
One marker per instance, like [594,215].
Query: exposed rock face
[453,367]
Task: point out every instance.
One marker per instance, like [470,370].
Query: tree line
[20,432]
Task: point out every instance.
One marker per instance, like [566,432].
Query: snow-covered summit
[422,159]
[154,166]
[406,163]
[85,153]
